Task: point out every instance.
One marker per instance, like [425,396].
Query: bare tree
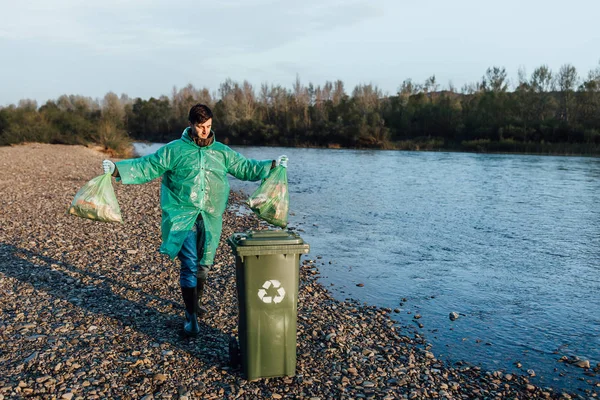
[367,98]
[64,103]
[302,101]
[406,89]
[246,101]
[112,109]
[495,80]
[183,99]
[451,87]
[327,91]
[567,82]
[523,81]
[542,83]
[338,92]
[227,91]
[470,88]
[264,102]
[594,79]
[590,101]
[541,80]
[28,104]
[430,85]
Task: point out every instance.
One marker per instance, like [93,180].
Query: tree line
[545,112]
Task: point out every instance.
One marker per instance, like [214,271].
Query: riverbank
[472,146]
[91,310]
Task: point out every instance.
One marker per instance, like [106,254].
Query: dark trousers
[190,254]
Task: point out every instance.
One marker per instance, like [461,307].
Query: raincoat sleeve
[145,169]
[247,169]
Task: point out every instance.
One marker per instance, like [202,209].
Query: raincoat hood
[194,182]
[188,136]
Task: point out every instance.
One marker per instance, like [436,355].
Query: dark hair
[199,114]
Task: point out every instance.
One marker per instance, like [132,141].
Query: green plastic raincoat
[194,182]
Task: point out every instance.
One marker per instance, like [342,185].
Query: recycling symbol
[262,293]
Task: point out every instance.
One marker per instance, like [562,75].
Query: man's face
[202,129]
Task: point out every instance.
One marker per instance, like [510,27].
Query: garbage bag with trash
[271,200]
[96,200]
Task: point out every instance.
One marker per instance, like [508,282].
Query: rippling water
[510,241]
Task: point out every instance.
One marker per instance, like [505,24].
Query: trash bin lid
[267,242]
[270,237]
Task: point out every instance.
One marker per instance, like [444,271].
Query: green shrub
[113,140]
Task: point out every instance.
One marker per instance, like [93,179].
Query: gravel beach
[91,310]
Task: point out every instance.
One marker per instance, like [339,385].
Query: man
[194,195]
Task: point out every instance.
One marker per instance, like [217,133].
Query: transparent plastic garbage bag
[96,200]
[271,200]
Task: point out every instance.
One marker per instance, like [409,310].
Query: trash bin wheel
[235,356]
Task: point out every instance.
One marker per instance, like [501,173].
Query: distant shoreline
[477,147]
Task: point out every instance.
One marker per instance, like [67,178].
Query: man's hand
[282,160]
[108,167]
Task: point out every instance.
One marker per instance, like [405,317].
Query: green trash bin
[267,270]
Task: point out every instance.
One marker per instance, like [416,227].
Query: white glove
[282,160]
[108,167]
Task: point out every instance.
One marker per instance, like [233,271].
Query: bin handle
[268,233]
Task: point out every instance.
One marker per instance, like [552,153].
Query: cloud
[259,27]
[219,27]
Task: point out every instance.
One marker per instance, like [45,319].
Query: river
[510,242]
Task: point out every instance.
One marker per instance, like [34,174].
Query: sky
[145,48]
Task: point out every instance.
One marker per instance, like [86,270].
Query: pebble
[97,311]
[582,363]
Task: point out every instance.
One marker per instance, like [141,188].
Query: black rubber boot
[199,292]
[190,327]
